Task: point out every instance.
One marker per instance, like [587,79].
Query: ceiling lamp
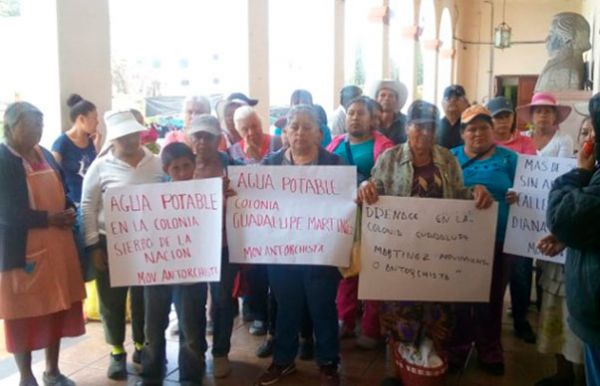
[503,32]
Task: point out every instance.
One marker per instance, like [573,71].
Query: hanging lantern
[502,36]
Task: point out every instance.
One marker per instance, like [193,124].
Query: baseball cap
[422,112]
[473,112]
[204,123]
[499,105]
[454,90]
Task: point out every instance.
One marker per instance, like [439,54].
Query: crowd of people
[53,238]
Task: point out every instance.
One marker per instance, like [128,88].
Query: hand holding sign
[426,249]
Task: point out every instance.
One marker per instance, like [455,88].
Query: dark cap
[242,97]
[454,90]
[499,105]
[422,112]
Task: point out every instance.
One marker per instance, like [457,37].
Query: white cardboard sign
[165,233]
[427,250]
[527,225]
[527,218]
[291,214]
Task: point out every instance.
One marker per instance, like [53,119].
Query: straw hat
[544,99]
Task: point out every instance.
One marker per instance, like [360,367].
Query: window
[446,54]
[29,65]
[301,37]
[177,48]
[402,43]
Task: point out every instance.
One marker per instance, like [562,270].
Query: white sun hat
[120,124]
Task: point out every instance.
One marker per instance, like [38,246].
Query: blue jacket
[573,215]
[325,158]
[16,217]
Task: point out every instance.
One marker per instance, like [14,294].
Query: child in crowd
[179,163]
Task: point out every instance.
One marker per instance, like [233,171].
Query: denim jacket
[393,173]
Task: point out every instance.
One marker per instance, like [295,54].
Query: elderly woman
[521,272]
[127,162]
[419,168]
[392,96]
[572,215]
[361,146]
[255,144]
[225,110]
[293,285]
[41,287]
[546,114]
[485,163]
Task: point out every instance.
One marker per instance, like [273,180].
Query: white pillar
[339,75]
[258,60]
[84,54]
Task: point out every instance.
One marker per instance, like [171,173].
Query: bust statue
[568,39]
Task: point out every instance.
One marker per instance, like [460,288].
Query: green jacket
[573,215]
[393,173]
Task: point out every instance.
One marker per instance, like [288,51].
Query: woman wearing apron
[41,287]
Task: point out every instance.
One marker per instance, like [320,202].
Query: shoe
[391,382]
[329,375]
[210,327]
[117,367]
[346,332]
[258,328]
[525,333]
[554,380]
[306,351]
[265,350]
[366,343]
[221,367]
[494,368]
[148,383]
[57,380]
[136,358]
[274,373]
[173,328]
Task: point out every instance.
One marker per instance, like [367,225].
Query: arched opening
[362,50]
[197,48]
[446,54]
[402,43]
[301,47]
[427,52]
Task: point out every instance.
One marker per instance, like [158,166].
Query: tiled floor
[84,360]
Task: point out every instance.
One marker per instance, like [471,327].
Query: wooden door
[525,90]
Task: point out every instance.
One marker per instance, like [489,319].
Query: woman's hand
[97,140]
[227,189]
[483,198]
[367,192]
[62,219]
[587,159]
[511,197]
[550,246]
[99,259]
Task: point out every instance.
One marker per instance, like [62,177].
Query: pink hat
[543,99]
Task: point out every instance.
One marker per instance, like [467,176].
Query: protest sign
[527,225]
[164,233]
[527,218]
[427,250]
[537,172]
[291,214]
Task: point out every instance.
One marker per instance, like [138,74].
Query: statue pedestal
[578,100]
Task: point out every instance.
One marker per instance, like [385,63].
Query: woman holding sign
[292,286]
[521,272]
[546,114]
[419,168]
[572,215]
[494,167]
[41,287]
[127,162]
